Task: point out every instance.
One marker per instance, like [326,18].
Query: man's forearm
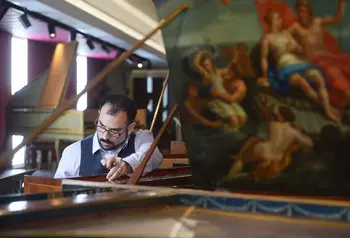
[135,159]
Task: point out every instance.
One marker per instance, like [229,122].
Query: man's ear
[131,127]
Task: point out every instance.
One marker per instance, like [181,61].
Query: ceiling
[118,22]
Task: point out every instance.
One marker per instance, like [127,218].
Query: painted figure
[309,32]
[224,104]
[274,154]
[243,62]
[195,108]
[292,70]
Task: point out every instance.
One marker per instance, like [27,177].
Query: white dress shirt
[69,165]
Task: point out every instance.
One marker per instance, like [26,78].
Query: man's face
[303,15]
[118,128]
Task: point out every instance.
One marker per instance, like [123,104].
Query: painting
[264,92]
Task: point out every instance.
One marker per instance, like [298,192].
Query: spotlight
[52,30]
[105,48]
[139,65]
[25,21]
[129,61]
[90,44]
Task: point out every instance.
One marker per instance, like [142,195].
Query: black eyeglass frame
[109,131]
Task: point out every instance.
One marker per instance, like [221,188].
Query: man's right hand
[117,167]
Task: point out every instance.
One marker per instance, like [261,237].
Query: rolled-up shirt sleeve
[70,162]
[143,142]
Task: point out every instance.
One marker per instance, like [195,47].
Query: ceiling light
[52,30]
[90,44]
[25,21]
[105,48]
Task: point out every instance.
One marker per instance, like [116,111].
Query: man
[114,149]
[319,47]
[291,69]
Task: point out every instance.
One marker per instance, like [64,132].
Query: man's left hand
[117,167]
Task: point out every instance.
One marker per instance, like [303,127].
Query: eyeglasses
[111,132]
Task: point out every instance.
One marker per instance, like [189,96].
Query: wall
[40,55]
[39,60]
[5,81]
[115,83]
[94,67]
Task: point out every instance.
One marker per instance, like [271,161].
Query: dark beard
[114,147]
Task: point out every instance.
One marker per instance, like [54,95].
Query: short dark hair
[119,102]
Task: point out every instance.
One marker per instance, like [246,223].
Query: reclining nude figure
[292,70]
[274,154]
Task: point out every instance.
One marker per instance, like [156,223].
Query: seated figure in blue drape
[291,68]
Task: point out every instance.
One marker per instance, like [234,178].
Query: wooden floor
[167,221]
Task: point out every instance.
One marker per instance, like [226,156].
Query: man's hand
[117,167]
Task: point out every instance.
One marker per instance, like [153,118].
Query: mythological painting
[264,91]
